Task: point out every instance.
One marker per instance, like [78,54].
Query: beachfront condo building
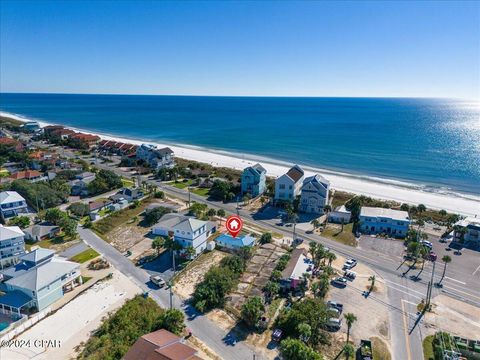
[12,204]
[253,180]
[156,158]
[374,220]
[314,195]
[12,245]
[289,185]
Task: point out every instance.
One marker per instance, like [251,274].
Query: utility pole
[189,196]
[171,293]
[430,286]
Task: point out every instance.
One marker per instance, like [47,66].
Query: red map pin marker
[234,225]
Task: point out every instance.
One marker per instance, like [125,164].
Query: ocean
[433,144]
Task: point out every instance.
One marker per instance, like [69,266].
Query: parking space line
[478,268]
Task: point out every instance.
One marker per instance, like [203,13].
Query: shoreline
[380,188]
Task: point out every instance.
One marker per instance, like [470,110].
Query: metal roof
[7,197]
[10,232]
[384,212]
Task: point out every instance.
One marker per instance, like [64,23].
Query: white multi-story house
[186,231]
[12,245]
[374,220]
[288,186]
[314,194]
[12,204]
[156,158]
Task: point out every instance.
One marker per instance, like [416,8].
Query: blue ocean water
[431,142]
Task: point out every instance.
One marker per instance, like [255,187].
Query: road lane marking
[405,331]
[458,281]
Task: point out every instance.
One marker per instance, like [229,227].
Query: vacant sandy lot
[127,235]
[73,323]
[186,282]
[454,316]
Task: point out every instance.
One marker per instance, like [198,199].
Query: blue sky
[428,49]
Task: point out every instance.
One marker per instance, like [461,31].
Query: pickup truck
[366,350]
[157,280]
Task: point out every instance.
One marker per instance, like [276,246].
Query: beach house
[314,194]
[288,186]
[156,158]
[38,280]
[253,180]
[235,243]
[12,204]
[298,265]
[186,231]
[29,175]
[41,231]
[375,220]
[340,215]
[79,186]
[12,245]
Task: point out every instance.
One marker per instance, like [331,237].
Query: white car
[157,280]
[426,243]
[350,264]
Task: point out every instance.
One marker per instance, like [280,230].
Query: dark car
[340,281]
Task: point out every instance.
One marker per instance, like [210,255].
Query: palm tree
[158,243]
[331,257]
[350,318]
[312,249]
[349,350]
[413,249]
[315,223]
[446,259]
[315,287]
[372,280]
[423,252]
[190,252]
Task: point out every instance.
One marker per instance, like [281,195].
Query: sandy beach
[464,204]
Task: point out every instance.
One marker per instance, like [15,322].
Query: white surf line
[478,268]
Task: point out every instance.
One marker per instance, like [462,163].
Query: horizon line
[244,96]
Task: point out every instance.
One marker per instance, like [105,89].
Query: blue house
[229,242]
[253,180]
[37,281]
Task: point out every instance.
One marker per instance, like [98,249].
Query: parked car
[350,275]
[334,304]
[433,256]
[426,243]
[334,324]
[340,281]
[334,311]
[277,335]
[157,280]
[350,264]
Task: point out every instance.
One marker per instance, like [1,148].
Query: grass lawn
[118,218]
[127,182]
[85,278]
[180,185]
[201,191]
[345,237]
[428,348]
[272,308]
[48,243]
[84,256]
[380,349]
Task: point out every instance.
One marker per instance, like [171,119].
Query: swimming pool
[3,325]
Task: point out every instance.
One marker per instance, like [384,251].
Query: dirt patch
[224,320]
[185,282]
[127,236]
[204,351]
[454,316]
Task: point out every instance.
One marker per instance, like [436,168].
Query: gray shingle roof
[41,229]
[43,275]
[37,255]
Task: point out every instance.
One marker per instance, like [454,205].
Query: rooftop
[383,212]
[295,173]
[190,224]
[297,265]
[9,197]
[239,241]
[9,232]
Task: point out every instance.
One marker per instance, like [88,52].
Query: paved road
[404,294]
[74,250]
[207,331]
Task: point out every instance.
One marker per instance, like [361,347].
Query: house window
[281,186]
[290,187]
